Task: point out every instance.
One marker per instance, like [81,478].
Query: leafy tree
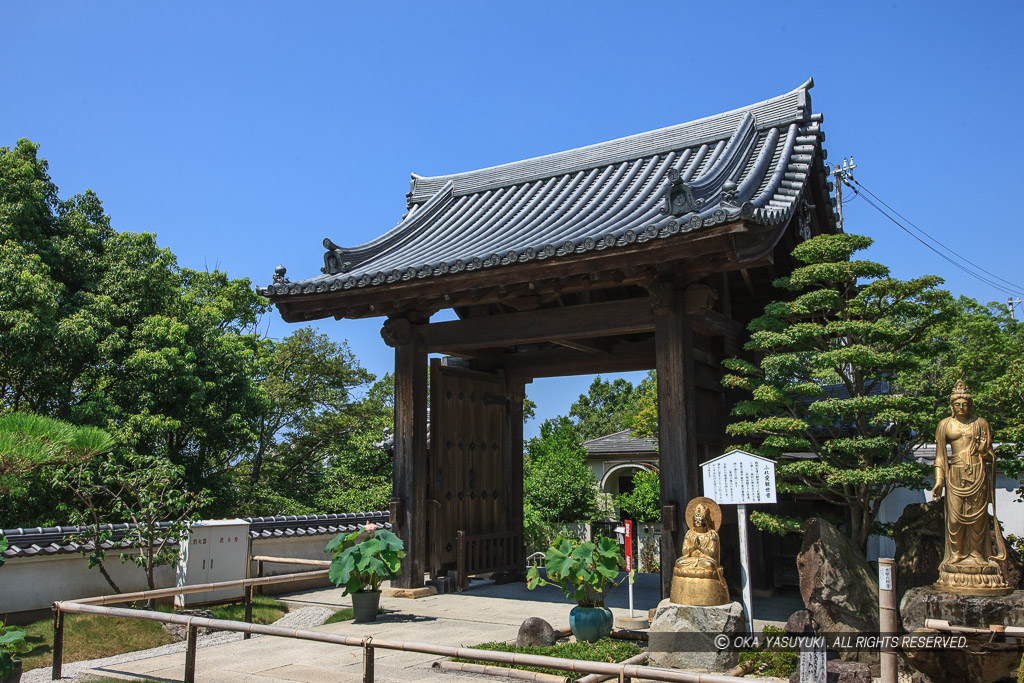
[558,483]
[849,324]
[102,328]
[644,421]
[143,491]
[306,382]
[31,441]
[643,503]
[606,408]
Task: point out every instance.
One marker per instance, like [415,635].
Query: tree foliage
[827,381]
[559,485]
[606,408]
[643,503]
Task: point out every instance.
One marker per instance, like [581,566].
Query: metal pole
[741,512]
[887,614]
[58,645]
[190,653]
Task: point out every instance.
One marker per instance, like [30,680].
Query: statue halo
[715,512]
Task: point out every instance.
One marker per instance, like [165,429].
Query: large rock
[683,636]
[979,660]
[535,632]
[838,586]
[920,535]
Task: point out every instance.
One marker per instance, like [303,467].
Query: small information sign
[738,478]
[884,577]
[813,667]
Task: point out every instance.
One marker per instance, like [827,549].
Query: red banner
[629,545]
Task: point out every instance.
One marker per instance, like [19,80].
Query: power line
[911,223]
[995,285]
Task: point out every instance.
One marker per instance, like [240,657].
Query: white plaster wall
[33,583]
[1009,510]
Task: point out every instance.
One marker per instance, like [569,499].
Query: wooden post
[367,663]
[460,560]
[190,653]
[259,573]
[410,471]
[676,432]
[248,611]
[887,623]
[517,392]
[58,645]
[748,603]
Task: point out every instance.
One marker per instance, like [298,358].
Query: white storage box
[215,550]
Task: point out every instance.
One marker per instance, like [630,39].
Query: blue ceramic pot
[590,623]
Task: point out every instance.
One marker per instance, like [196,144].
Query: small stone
[535,632]
[800,623]
[180,631]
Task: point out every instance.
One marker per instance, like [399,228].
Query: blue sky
[243,133]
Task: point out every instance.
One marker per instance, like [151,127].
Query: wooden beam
[624,357]
[573,322]
[588,345]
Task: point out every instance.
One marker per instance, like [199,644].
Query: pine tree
[826,381]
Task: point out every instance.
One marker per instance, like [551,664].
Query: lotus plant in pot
[585,571]
[361,561]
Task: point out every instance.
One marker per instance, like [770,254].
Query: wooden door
[470,463]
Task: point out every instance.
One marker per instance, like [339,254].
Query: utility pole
[841,173]
[1011,302]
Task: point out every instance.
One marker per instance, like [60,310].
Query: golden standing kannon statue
[967,473]
[697,576]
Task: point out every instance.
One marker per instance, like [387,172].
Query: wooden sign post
[740,478]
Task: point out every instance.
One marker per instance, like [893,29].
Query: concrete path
[482,614]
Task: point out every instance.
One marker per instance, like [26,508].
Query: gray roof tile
[621,442]
[751,164]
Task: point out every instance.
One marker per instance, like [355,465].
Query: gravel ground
[306,617]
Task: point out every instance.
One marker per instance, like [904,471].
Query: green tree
[643,503]
[307,383]
[359,473]
[606,408]
[558,484]
[102,328]
[849,324]
[143,491]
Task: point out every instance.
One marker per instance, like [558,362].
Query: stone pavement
[482,614]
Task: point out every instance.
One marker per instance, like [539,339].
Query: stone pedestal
[980,660]
[683,636]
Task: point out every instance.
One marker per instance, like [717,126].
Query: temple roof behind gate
[749,165]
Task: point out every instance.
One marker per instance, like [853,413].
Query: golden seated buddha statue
[697,576]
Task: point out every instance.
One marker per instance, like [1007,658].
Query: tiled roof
[621,442]
[749,164]
[60,539]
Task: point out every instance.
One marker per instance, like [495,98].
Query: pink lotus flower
[371,527]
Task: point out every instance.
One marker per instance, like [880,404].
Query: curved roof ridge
[767,113]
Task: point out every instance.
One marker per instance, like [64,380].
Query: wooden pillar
[408,507]
[514,472]
[676,428]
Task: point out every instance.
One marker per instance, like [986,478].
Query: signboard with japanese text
[629,544]
[739,478]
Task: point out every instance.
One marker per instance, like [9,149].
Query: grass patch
[604,650]
[778,663]
[91,636]
[347,614]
